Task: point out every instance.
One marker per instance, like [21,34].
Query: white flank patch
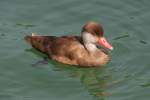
[33,34]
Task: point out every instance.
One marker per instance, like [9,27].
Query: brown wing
[65,49]
[66,46]
[42,43]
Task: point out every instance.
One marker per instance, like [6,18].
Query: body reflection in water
[93,79]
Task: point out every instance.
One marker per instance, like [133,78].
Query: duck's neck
[89,41]
[91,47]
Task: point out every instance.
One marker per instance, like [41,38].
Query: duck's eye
[98,34]
[94,31]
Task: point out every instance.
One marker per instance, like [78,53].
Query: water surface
[126,24]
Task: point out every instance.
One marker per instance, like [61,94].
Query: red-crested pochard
[88,50]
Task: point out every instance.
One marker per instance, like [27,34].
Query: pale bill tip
[111,48]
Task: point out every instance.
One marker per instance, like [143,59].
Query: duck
[90,49]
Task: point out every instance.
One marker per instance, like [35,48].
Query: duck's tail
[41,43]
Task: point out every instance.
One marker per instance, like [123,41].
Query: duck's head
[92,34]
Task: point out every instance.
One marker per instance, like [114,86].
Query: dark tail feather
[41,43]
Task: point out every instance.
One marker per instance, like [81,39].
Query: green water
[126,24]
